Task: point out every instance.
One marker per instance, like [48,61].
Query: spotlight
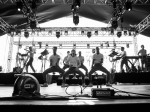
[82,33]
[26,34]
[40,44]
[74,46]
[33,24]
[119,34]
[77,4]
[89,34]
[66,33]
[88,46]
[96,33]
[57,34]
[128,5]
[101,45]
[19,6]
[114,24]
[75,19]
[125,33]
[127,45]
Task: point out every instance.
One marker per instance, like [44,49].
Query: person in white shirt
[74,64]
[143,54]
[54,66]
[81,58]
[66,65]
[123,60]
[97,65]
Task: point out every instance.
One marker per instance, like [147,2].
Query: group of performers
[74,62]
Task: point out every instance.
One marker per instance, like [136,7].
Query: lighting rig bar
[4,25]
[73,31]
[144,24]
[71,42]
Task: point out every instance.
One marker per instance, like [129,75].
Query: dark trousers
[84,68]
[101,68]
[124,62]
[52,69]
[144,62]
[73,70]
[30,64]
[65,66]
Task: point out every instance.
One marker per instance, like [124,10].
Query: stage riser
[132,77]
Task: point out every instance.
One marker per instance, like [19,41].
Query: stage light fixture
[96,33]
[33,24]
[127,45]
[89,34]
[128,5]
[101,45]
[57,34]
[76,19]
[114,24]
[88,46]
[125,33]
[66,33]
[82,33]
[26,34]
[40,44]
[77,3]
[19,6]
[119,34]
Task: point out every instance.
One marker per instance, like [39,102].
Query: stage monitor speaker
[142,77]
[27,84]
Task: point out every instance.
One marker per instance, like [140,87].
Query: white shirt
[65,59]
[81,58]
[142,52]
[54,59]
[73,61]
[97,58]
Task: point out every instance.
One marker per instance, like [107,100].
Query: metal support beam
[144,24]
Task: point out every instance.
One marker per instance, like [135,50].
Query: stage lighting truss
[75,44]
[75,32]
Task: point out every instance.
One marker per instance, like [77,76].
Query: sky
[68,22]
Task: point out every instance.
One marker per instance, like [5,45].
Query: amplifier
[99,92]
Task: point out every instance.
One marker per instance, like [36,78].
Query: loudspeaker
[132,77]
[26,83]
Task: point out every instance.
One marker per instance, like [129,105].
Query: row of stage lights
[102,45]
[58,34]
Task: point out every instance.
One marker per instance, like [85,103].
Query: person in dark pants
[74,64]
[123,60]
[97,65]
[81,58]
[30,53]
[54,66]
[143,54]
[66,65]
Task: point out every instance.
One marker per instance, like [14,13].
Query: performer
[54,66]
[66,65]
[81,58]
[122,57]
[143,53]
[30,55]
[97,65]
[74,64]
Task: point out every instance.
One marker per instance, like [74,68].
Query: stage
[55,96]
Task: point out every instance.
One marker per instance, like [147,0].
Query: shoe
[64,85]
[90,85]
[45,85]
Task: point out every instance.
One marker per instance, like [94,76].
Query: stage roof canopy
[100,10]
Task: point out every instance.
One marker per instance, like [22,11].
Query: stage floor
[53,90]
